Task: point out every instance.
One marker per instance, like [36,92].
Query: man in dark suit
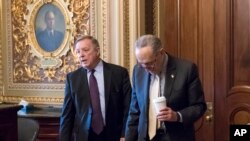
[160,74]
[84,116]
[49,39]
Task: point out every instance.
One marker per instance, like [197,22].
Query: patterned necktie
[154,93]
[97,120]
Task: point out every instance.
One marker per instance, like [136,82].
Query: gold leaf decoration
[27,67]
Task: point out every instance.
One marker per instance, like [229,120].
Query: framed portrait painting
[49,27]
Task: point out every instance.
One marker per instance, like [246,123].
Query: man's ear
[162,51]
[98,51]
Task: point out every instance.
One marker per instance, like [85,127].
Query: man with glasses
[159,74]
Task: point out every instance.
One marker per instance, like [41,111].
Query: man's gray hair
[149,40]
[83,37]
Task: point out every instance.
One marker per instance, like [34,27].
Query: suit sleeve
[196,100]
[127,97]
[131,133]
[67,115]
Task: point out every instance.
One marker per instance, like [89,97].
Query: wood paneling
[148,21]
[188,20]
[215,35]
[232,77]
[241,36]
[238,97]
[49,128]
[221,69]
[171,35]
[189,34]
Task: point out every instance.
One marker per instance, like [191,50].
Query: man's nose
[81,55]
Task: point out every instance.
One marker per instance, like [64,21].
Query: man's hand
[167,114]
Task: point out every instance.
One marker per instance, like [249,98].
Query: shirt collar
[98,67]
[164,67]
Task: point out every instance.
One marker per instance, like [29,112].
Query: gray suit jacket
[76,112]
[183,92]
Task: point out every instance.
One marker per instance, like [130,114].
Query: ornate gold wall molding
[106,32]
[155,16]
[36,75]
[1,56]
[114,26]
[31,72]
[159,15]
[126,32]
[29,62]
[35,100]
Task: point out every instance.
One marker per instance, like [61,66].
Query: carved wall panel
[30,70]
[31,63]
[232,77]
[238,97]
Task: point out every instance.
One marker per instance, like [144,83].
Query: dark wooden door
[215,34]
[232,65]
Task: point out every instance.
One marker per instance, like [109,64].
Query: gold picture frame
[37,22]
[30,72]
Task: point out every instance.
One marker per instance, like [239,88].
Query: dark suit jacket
[76,112]
[183,92]
[47,43]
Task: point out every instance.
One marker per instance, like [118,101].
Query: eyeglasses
[150,64]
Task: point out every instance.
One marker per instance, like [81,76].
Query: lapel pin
[172,76]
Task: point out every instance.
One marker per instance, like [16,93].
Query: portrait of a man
[50,36]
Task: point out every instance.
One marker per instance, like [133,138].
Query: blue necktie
[97,120]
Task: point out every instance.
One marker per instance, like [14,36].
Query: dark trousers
[161,135]
[94,137]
